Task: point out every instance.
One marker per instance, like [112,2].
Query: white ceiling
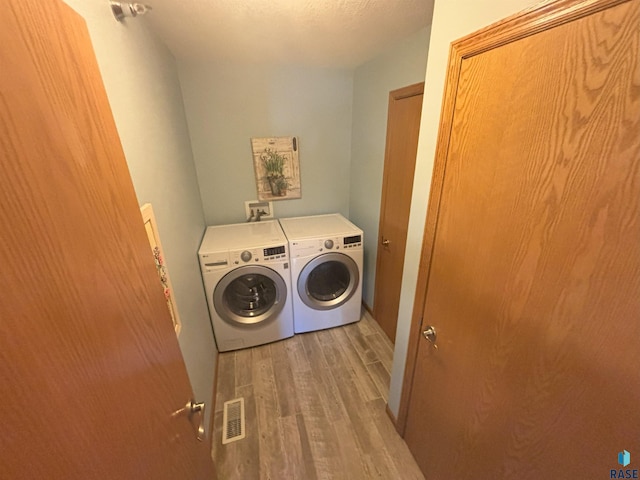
[324,33]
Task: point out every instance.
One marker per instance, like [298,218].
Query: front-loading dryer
[245,269]
[326,254]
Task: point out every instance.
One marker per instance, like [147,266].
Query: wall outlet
[254,207]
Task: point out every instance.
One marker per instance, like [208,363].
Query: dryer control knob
[328,244]
[245,256]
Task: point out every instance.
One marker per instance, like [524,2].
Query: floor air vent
[233,421]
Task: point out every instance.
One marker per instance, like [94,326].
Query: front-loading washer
[245,269]
[326,254]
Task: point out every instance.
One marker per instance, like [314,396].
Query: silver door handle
[189,410]
[431,335]
[385,242]
[192,409]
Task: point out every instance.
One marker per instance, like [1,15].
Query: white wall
[142,84]
[452,19]
[228,103]
[401,65]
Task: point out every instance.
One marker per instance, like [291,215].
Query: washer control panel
[259,255]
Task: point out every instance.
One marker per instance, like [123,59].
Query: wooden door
[534,225]
[92,380]
[403,126]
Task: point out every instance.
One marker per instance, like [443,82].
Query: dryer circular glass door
[250,295]
[328,281]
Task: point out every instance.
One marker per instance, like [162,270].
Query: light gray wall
[142,84]
[228,103]
[402,65]
[451,20]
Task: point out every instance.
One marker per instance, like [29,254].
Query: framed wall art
[277,167]
[158,255]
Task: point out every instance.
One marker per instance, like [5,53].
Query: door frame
[394,95]
[528,22]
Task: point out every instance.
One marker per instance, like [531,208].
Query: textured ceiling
[325,33]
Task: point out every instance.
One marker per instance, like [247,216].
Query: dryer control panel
[303,248]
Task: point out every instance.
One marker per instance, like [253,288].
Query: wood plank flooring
[315,409]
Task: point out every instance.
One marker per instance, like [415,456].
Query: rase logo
[624,459]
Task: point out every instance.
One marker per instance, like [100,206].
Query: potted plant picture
[276,166]
[273,164]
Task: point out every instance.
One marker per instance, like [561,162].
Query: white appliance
[326,270]
[245,268]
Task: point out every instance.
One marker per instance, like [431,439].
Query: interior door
[92,380]
[403,126]
[535,272]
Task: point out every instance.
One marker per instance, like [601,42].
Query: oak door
[92,381]
[535,272]
[403,126]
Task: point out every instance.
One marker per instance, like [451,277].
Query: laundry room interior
[336,306]
[186,123]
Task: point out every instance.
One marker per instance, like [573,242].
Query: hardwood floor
[315,409]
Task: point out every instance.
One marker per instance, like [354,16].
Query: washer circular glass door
[250,295]
[328,281]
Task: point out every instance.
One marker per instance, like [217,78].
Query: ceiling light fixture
[121,9]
